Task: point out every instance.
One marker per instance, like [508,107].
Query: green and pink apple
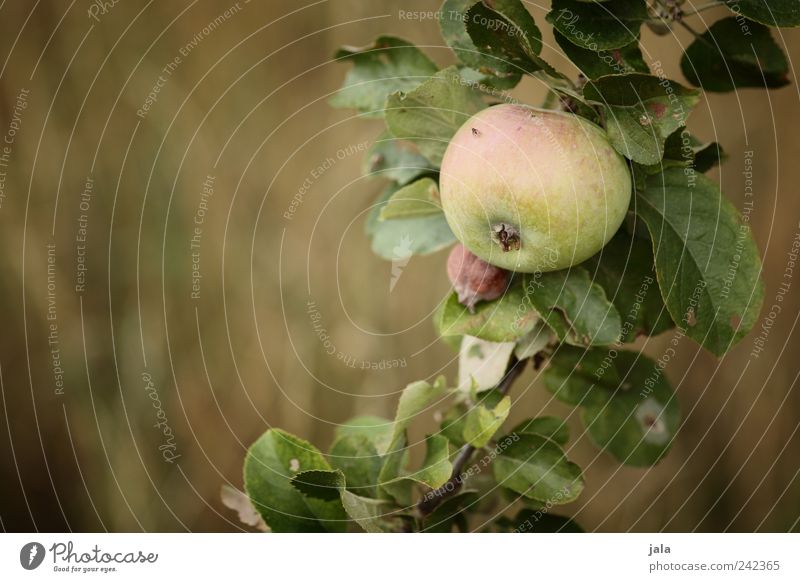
[532,190]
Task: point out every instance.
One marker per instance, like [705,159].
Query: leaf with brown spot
[707,262]
[627,405]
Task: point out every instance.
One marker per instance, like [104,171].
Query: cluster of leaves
[364,480]
[668,267]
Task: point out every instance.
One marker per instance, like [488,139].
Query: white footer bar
[355,557]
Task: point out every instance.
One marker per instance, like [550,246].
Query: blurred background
[159,310]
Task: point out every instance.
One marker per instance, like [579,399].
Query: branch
[432,500]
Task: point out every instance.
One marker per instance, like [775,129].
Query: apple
[533,190]
[474,279]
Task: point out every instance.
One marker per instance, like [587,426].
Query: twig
[432,500]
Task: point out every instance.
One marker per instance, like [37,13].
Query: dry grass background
[244,356]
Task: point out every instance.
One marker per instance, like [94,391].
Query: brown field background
[247,105]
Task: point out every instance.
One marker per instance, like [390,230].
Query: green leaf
[682,150]
[537,468]
[453,25]
[488,398]
[625,270]
[574,307]
[706,156]
[598,63]
[482,364]
[414,400]
[430,114]
[319,484]
[772,13]
[390,64]
[572,100]
[452,426]
[641,112]
[637,429]
[507,38]
[572,374]
[486,81]
[397,240]
[271,462]
[375,429]
[356,456]
[395,159]
[635,419]
[640,173]
[707,263]
[598,26]
[504,320]
[533,342]
[370,514]
[725,58]
[515,21]
[450,513]
[552,427]
[683,146]
[391,482]
[452,341]
[536,521]
[417,200]
[483,422]
[436,468]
